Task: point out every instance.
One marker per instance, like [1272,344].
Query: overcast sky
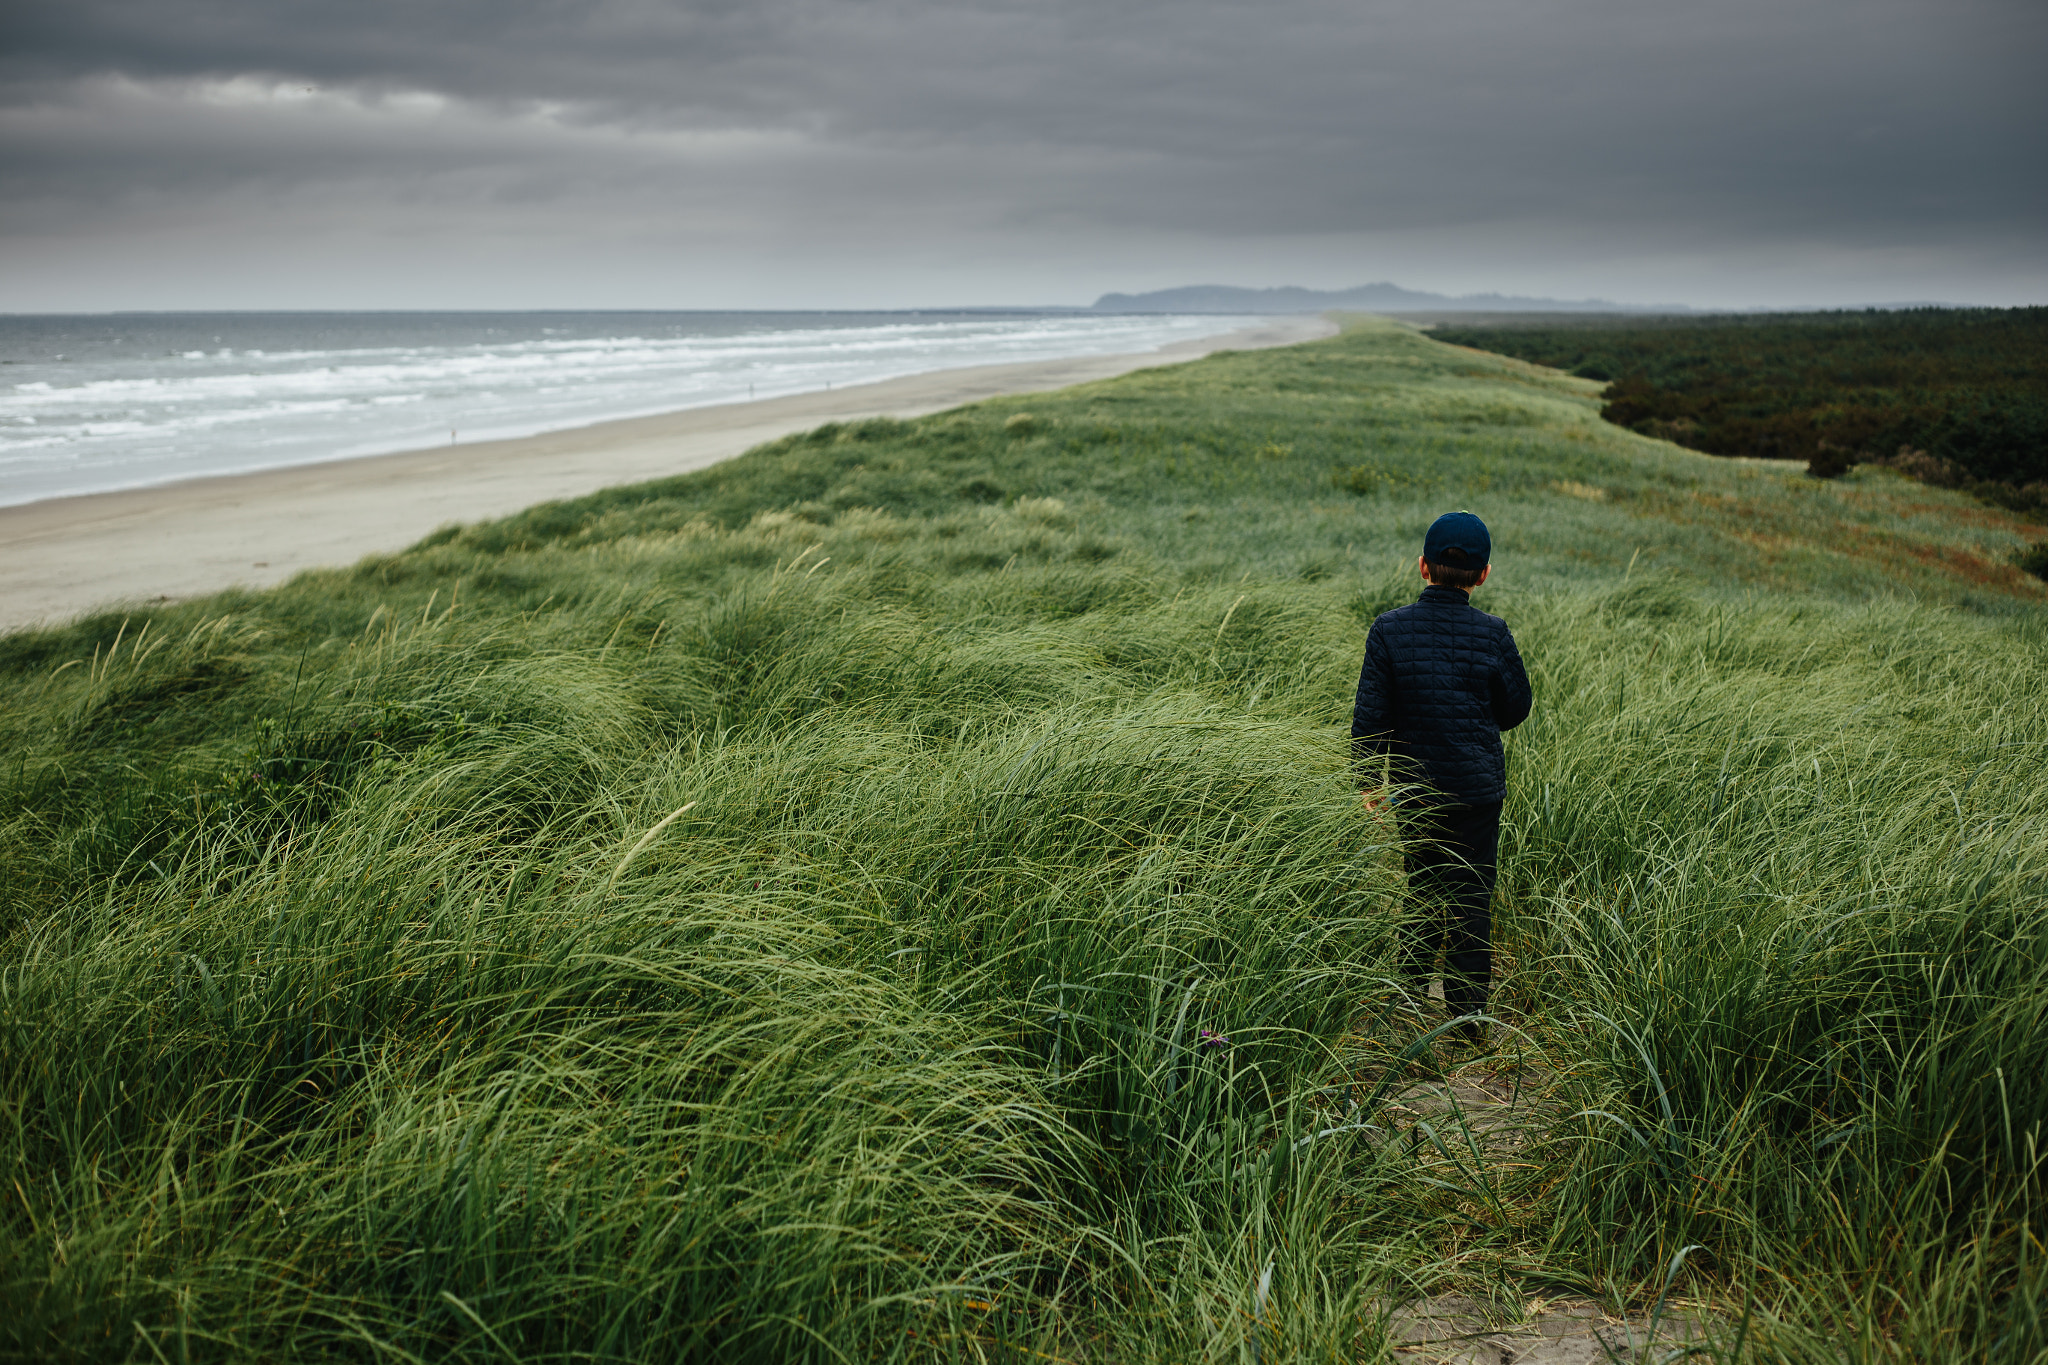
[904,153]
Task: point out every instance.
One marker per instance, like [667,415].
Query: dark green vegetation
[774,913]
[1953,397]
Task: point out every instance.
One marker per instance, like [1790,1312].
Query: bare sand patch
[1451,1329]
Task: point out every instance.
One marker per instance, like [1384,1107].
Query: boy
[1441,680]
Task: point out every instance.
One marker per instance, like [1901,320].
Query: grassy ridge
[775,912]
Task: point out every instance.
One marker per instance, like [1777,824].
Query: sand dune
[68,555]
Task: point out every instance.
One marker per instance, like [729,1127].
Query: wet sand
[64,556]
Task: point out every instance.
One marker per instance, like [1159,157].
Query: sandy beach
[64,556]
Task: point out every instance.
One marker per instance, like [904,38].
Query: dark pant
[1453,859]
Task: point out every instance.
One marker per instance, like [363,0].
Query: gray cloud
[1539,138]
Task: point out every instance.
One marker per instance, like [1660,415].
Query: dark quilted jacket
[1441,681]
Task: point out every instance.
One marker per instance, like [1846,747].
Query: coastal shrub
[1958,392]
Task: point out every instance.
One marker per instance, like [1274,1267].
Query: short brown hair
[1452,571]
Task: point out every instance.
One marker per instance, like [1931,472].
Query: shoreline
[62,557]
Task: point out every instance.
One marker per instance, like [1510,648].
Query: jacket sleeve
[1373,713]
[1512,696]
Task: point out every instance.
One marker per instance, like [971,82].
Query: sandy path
[1487,1114]
[66,555]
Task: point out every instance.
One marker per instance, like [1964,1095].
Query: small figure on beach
[1441,680]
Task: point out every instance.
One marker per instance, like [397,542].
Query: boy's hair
[1454,570]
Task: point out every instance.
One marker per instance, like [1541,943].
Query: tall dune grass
[1799,900]
[900,896]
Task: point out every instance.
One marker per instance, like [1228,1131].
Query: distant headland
[1375,298]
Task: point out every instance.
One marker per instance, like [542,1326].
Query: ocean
[92,403]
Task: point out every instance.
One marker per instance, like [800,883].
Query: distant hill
[1375,298]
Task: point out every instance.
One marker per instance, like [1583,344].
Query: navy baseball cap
[1458,531]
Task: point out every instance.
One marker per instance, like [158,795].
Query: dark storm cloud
[1858,123]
